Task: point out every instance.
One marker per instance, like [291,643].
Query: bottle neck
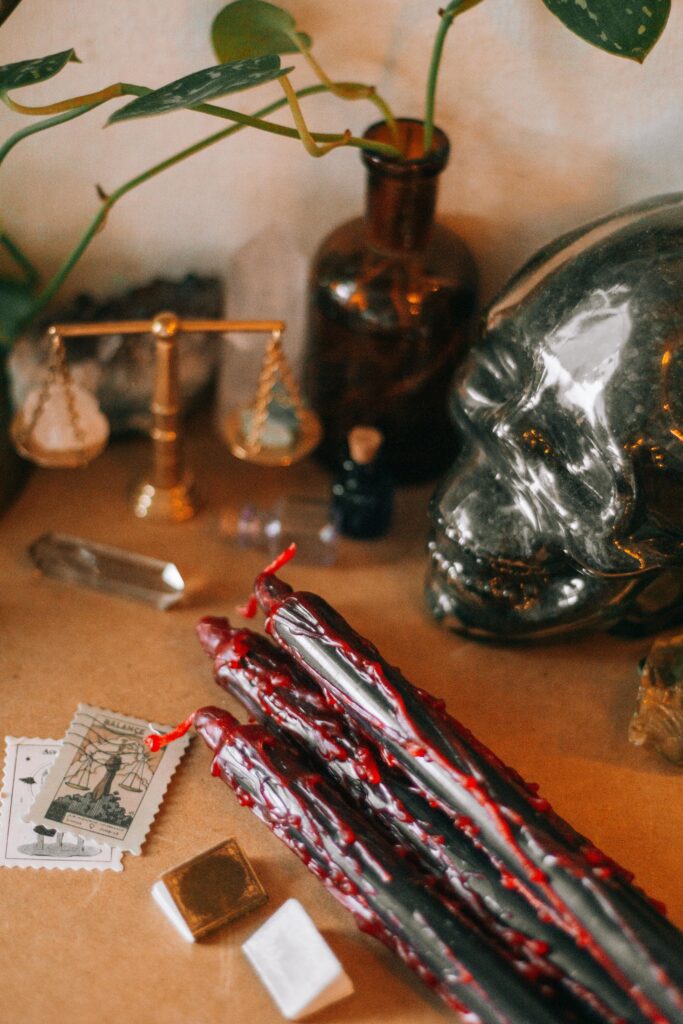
[402,193]
[399,212]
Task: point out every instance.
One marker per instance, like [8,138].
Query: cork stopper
[364,444]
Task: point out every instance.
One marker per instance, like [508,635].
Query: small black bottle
[363,492]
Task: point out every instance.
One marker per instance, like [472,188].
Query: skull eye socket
[493,376]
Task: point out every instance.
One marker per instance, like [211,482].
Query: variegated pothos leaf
[30,72]
[203,85]
[627,28]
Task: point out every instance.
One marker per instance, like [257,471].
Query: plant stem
[309,142]
[92,98]
[58,279]
[40,126]
[330,140]
[20,258]
[352,91]
[346,90]
[447,16]
[77,105]
[68,114]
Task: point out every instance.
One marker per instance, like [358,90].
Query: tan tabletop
[94,947]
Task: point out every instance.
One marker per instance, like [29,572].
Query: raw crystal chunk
[295,963]
[54,429]
[113,570]
[60,427]
[267,274]
[658,720]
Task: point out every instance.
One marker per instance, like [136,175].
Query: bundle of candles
[435,846]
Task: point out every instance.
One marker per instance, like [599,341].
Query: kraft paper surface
[94,947]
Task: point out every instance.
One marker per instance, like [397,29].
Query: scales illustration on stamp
[105,782]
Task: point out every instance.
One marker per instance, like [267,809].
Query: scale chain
[264,392]
[57,369]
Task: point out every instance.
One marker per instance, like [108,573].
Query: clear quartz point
[112,570]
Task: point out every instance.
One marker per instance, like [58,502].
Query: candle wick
[285,556]
[248,611]
[154,741]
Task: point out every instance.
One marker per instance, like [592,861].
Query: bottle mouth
[410,141]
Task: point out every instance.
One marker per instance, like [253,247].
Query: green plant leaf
[6,8]
[208,84]
[29,72]
[627,29]
[16,305]
[253,28]
[461,7]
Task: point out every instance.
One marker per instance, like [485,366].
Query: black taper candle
[563,876]
[277,692]
[362,871]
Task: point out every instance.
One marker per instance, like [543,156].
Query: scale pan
[308,437]
[51,458]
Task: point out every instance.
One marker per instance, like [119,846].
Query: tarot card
[105,784]
[27,763]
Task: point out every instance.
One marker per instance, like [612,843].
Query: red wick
[251,607]
[153,741]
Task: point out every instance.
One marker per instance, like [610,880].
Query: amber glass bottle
[391,296]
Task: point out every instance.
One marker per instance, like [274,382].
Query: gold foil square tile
[214,888]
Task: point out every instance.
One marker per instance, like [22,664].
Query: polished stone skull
[564,510]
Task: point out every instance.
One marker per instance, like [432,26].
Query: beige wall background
[546,131]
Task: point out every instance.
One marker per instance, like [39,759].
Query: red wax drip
[153,741]
[248,611]
[304,813]
[467,765]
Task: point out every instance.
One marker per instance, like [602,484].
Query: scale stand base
[166,504]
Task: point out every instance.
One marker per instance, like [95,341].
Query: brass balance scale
[168,494]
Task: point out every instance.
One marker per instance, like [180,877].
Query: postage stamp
[27,763]
[105,784]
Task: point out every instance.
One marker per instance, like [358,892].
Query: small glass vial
[306,521]
[363,492]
